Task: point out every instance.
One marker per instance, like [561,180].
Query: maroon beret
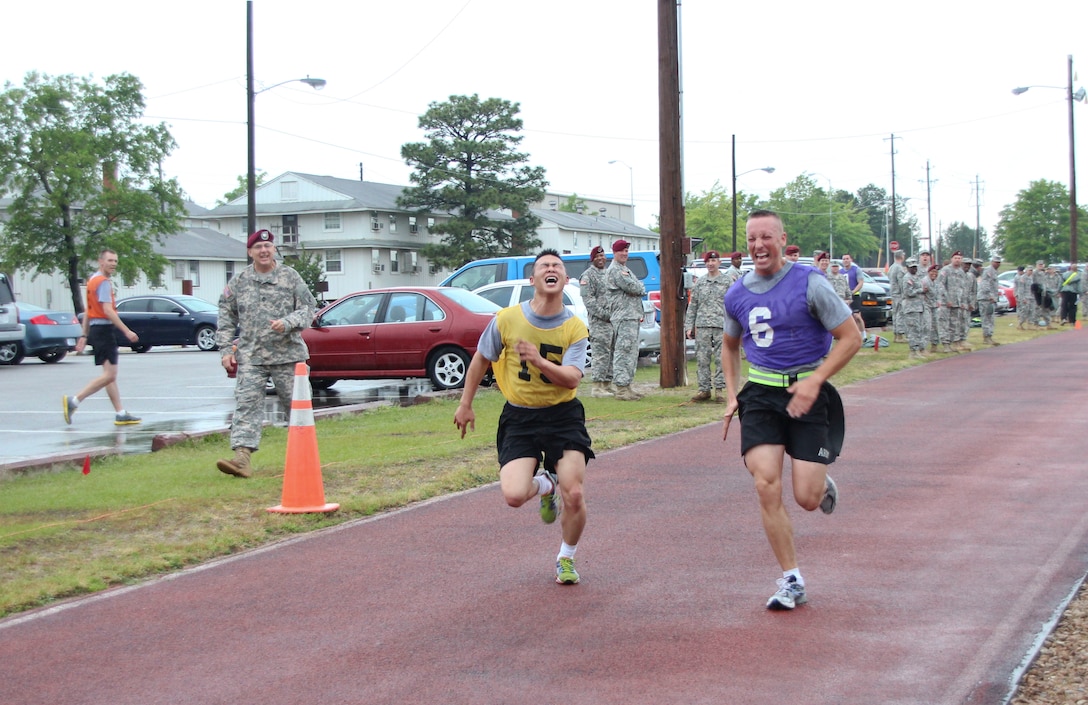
[259,236]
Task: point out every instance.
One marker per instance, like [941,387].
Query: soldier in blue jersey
[537,350]
[786,315]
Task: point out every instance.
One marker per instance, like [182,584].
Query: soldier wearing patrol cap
[704,322]
[595,295]
[912,307]
[987,299]
[951,283]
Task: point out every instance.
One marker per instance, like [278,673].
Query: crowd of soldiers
[613,298]
[933,305]
[705,320]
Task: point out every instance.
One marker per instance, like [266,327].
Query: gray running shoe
[790,594]
[125,419]
[831,496]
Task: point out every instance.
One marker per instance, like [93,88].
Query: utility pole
[895,219]
[929,211]
[673,360]
[978,216]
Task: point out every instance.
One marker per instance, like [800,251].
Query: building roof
[591,223]
[201,243]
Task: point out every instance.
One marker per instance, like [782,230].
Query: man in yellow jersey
[538,351]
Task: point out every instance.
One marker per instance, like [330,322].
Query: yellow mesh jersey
[521,383]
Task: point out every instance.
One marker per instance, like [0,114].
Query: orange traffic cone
[303,490]
[1077,325]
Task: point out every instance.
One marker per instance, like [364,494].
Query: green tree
[709,217]
[877,206]
[82,171]
[573,204]
[815,219]
[243,185]
[960,236]
[1036,225]
[471,169]
[311,268]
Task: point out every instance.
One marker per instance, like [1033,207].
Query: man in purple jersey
[786,315]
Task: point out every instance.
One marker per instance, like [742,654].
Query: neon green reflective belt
[772,379]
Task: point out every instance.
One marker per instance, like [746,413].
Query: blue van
[497,269]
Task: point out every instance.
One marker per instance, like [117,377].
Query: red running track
[961,530]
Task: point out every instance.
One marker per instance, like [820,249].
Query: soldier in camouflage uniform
[951,282]
[932,307]
[1052,284]
[704,322]
[987,299]
[271,305]
[967,306]
[625,292]
[595,296]
[1025,301]
[839,283]
[733,270]
[895,290]
[912,307]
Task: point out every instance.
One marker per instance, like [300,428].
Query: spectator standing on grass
[595,295]
[951,283]
[913,308]
[1070,289]
[786,316]
[733,270]
[793,253]
[839,283]
[537,350]
[270,304]
[895,290]
[855,281]
[703,324]
[1025,297]
[1052,284]
[932,306]
[625,292]
[823,262]
[987,299]
[99,322]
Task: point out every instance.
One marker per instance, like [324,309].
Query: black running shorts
[101,338]
[543,433]
[765,421]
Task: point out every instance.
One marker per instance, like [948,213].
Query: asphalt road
[174,390]
[959,535]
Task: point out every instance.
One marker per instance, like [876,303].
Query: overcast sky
[805,87]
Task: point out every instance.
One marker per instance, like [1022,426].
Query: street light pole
[768,169]
[251,168]
[1070,96]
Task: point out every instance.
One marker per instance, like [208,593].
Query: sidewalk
[960,530]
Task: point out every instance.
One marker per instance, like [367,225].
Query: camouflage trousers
[600,343]
[708,350]
[1025,310]
[249,400]
[963,324]
[986,312]
[914,326]
[624,352]
[946,318]
[899,326]
[932,328]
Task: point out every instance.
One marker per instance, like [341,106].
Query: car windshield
[467,299]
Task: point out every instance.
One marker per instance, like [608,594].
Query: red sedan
[398,332]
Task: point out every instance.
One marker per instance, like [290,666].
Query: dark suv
[11,330]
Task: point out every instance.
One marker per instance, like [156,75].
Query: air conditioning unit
[416,269]
[379,268]
[376,225]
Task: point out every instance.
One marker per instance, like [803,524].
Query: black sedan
[50,335]
[168,320]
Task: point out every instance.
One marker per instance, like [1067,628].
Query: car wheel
[140,348]
[52,356]
[321,385]
[11,353]
[448,368]
[205,338]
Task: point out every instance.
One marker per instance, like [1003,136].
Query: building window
[333,261]
[288,190]
[413,227]
[229,270]
[332,222]
[394,261]
[179,268]
[430,223]
[392,223]
[375,224]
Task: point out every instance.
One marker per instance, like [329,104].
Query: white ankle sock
[566,551]
[796,573]
[543,484]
